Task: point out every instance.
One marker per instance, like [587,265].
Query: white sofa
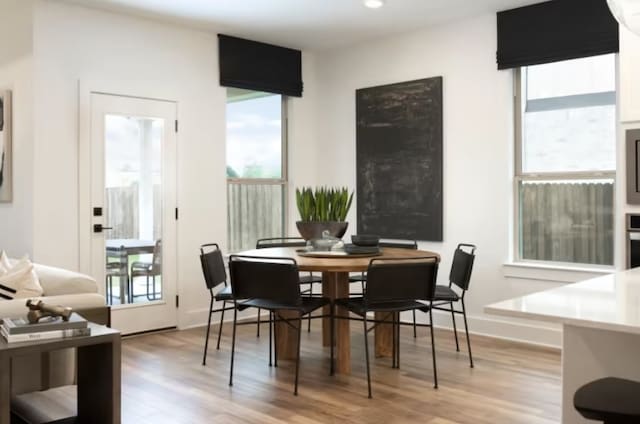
[61,287]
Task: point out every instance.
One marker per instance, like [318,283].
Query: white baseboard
[517,330]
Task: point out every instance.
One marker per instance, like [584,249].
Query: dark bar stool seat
[610,400]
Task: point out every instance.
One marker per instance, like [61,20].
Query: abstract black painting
[399,160]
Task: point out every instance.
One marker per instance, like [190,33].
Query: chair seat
[356,304]
[307,304]
[445,293]
[609,399]
[224,294]
[310,279]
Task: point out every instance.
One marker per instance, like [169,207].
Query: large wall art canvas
[399,160]
[5,147]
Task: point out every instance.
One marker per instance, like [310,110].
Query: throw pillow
[20,282]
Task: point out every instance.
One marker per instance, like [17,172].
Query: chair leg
[233,343]
[275,339]
[206,340]
[466,330]
[106,291]
[366,352]
[224,306]
[270,337]
[332,335]
[148,294]
[455,329]
[295,390]
[397,339]
[433,349]
[415,333]
[309,318]
[259,322]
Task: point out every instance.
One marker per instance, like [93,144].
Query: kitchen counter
[600,320]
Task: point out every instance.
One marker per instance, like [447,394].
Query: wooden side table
[98,373]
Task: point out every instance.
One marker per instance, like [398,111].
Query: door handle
[97,228]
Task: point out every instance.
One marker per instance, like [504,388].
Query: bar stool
[610,400]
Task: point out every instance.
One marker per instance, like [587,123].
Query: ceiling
[306,24]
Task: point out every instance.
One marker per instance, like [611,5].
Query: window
[256,167]
[566,161]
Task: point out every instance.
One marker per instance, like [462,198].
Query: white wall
[478,150]
[16,59]
[141,57]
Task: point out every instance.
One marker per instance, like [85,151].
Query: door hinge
[177,301]
[176,214]
[176,125]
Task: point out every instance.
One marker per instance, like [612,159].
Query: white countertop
[610,302]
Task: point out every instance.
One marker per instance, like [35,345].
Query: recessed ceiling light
[374,4]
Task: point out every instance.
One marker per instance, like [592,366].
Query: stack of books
[20,330]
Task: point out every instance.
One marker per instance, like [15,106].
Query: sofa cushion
[19,281]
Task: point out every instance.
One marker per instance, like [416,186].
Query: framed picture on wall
[6,181]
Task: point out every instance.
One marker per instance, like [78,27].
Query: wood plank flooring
[164,382]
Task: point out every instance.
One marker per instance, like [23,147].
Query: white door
[133,209]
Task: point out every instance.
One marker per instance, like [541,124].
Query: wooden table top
[337,264]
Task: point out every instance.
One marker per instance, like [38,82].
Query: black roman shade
[258,66]
[555,30]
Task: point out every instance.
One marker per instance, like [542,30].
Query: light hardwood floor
[164,382]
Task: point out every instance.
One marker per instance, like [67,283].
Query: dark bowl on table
[365,239]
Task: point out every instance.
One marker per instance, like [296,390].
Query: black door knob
[97,228]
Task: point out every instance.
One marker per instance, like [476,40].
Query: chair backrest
[274,279]
[157,256]
[212,265]
[281,242]
[401,244]
[401,279]
[462,266]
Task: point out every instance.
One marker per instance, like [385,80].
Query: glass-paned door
[133,201]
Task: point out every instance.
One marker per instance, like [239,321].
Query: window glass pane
[570,77]
[255,212]
[566,221]
[579,139]
[254,135]
[569,116]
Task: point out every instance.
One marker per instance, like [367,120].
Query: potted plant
[323,209]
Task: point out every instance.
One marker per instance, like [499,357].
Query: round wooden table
[335,284]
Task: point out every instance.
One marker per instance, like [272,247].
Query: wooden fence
[567,222]
[254,212]
[122,212]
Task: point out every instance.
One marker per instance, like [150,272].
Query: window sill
[552,273]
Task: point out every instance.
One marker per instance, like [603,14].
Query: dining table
[335,269]
[131,247]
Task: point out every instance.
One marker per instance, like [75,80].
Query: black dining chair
[609,400]
[446,296]
[306,278]
[398,244]
[273,285]
[395,286]
[215,277]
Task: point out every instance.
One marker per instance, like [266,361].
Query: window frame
[520,176]
[284,171]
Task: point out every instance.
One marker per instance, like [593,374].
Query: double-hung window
[566,161]
[256,167]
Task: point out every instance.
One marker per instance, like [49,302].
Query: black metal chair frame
[394,315]
[148,269]
[289,242]
[275,317]
[438,304]
[211,285]
[116,269]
